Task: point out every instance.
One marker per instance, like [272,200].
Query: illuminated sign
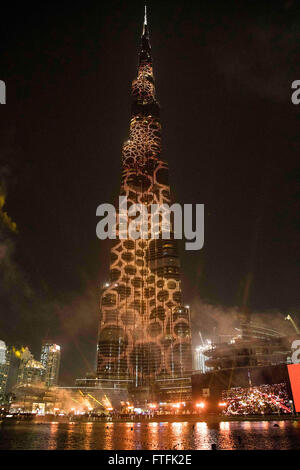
[294,375]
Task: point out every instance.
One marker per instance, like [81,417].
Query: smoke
[22,305]
[8,228]
[257,55]
[77,322]
[8,269]
[68,319]
[212,320]
[15,288]
[219,322]
[3,251]
[78,315]
[4,217]
[30,309]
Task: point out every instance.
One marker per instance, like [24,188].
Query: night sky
[230,134]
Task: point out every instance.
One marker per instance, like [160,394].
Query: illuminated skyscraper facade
[144,334]
[30,371]
[50,359]
[4,369]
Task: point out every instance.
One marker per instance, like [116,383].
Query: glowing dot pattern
[144,331]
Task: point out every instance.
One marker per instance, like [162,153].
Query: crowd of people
[264,399]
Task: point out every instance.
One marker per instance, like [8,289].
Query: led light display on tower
[144,333]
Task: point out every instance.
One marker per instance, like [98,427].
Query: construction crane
[293,323]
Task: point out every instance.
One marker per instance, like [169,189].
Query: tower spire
[145,24]
[144,331]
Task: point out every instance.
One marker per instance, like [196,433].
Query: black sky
[230,133]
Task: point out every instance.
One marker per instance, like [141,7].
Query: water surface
[153,436]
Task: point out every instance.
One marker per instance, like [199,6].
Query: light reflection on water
[155,436]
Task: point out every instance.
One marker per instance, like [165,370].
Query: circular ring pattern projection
[144,330]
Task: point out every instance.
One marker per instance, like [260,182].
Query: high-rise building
[30,371]
[2,352]
[4,369]
[50,359]
[144,334]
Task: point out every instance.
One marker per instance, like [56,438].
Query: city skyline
[149,245]
[231,142]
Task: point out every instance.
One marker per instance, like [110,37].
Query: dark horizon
[230,134]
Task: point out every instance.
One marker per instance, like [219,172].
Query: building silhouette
[144,342]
